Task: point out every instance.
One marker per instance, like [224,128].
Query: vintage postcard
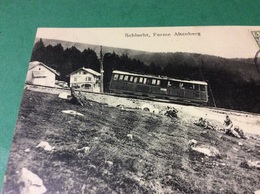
[139,110]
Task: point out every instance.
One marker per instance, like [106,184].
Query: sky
[223,41]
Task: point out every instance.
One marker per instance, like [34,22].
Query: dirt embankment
[128,150]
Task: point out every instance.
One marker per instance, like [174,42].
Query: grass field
[156,160]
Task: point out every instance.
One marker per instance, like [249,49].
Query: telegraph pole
[101,72]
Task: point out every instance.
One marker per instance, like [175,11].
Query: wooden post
[101,72]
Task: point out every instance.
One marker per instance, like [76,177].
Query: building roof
[36,63]
[87,70]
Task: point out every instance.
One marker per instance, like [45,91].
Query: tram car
[155,87]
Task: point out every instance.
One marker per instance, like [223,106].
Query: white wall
[49,80]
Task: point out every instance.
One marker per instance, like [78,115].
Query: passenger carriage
[158,87]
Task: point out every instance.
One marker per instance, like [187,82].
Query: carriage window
[188,86]
[145,80]
[126,78]
[164,83]
[135,79]
[158,82]
[196,87]
[116,77]
[174,84]
[131,78]
[121,77]
[141,80]
[149,81]
[202,88]
[181,85]
[153,81]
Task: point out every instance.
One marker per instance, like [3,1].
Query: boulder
[64,95]
[72,112]
[207,150]
[30,183]
[150,108]
[45,145]
[257,192]
[204,149]
[251,164]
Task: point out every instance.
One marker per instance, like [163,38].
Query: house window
[75,79]
[88,79]
[84,72]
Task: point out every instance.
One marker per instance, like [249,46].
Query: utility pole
[101,72]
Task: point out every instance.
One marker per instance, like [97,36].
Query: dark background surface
[19,21]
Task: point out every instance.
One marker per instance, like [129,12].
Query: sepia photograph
[139,110]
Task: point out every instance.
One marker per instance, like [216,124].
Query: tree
[90,59]
[155,69]
[73,57]
[38,53]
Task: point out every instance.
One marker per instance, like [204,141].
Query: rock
[254,164]
[257,145]
[257,192]
[85,149]
[130,136]
[192,143]
[240,143]
[64,95]
[251,164]
[121,106]
[72,112]
[222,164]
[45,145]
[150,108]
[204,149]
[31,183]
[109,163]
[207,150]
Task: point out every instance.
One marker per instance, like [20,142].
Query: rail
[50,89]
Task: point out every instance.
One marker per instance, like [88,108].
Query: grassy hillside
[156,160]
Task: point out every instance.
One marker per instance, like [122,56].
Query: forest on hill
[233,83]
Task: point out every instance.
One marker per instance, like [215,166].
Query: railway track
[132,96]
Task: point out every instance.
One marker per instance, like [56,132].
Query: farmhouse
[85,79]
[40,74]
